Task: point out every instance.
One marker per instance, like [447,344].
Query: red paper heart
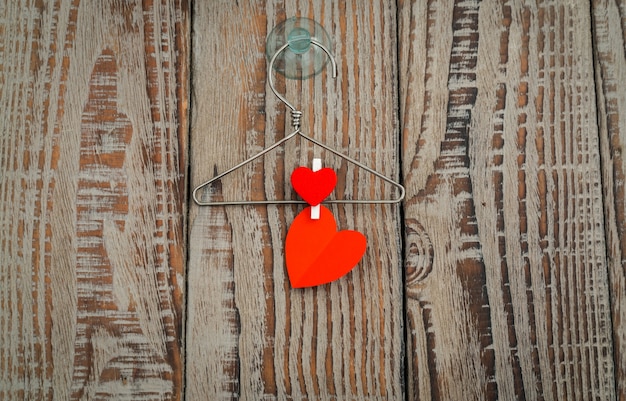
[313,186]
[316,253]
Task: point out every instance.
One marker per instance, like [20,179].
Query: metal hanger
[296,115]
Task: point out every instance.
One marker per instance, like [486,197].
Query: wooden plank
[250,336]
[507,280]
[92,199]
[610,62]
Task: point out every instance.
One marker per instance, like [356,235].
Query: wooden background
[501,276]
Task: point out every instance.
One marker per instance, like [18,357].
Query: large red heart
[313,186]
[316,253]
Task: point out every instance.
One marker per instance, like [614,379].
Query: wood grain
[93,161]
[250,336]
[502,276]
[610,62]
[507,291]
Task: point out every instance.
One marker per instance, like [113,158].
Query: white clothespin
[315,210]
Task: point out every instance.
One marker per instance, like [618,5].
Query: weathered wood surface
[502,276]
[609,20]
[93,155]
[249,334]
[507,275]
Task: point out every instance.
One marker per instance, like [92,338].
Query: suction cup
[301,60]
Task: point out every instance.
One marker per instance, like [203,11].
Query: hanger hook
[314,42]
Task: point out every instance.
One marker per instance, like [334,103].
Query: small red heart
[313,186]
[316,253]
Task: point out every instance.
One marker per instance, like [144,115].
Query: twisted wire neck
[296,115]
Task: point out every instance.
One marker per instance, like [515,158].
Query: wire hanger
[296,115]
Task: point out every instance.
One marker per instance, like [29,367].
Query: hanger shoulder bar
[194,194]
[399,187]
